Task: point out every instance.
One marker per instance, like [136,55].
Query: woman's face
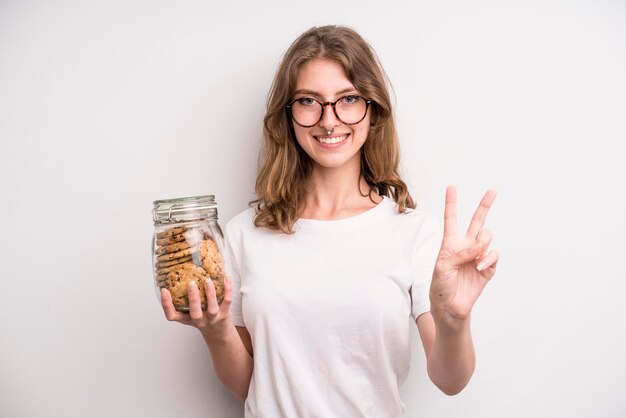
[326,81]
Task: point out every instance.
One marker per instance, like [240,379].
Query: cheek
[301,134]
[362,129]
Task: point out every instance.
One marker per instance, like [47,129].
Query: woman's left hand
[464,264]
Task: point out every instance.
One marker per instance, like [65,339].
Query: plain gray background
[107,106]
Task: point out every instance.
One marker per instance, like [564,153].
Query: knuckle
[170,316]
[440,268]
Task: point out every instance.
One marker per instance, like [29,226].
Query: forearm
[452,359]
[231,361]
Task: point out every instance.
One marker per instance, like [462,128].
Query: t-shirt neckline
[345,223]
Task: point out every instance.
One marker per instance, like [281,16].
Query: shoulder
[425,221]
[426,231]
[242,219]
[241,222]
[414,220]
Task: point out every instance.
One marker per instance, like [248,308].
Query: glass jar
[187,245]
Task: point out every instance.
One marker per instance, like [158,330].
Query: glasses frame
[288,108]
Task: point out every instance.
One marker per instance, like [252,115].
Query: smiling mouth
[331,139]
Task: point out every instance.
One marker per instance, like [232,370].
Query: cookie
[185,272]
[178,283]
[169,263]
[165,270]
[211,259]
[171,231]
[219,289]
[172,248]
[190,235]
[161,277]
[184,268]
[178,254]
[170,240]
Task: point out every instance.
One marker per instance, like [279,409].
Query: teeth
[333,140]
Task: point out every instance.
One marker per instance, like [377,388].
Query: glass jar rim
[184,209]
[209,197]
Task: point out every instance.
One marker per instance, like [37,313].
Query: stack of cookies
[185,253]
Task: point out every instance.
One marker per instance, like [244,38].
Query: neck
[335,193]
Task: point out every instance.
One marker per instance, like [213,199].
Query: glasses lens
[306,111]
[351,109]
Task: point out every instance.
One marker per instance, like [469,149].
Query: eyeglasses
[307,112]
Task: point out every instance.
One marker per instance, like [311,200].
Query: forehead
[323,76]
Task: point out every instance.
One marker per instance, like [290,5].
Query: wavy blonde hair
[284,166]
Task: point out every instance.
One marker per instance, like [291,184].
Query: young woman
[332,260]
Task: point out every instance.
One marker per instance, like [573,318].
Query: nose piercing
[328,132]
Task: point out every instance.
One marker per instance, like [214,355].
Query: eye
[306,101]
[353,98]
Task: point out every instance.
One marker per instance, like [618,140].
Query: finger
[488,261]
[228,296]
[467,254]
[478,220]
[211,299]
[449,213]
[195,310]
[168,307]
[485,237]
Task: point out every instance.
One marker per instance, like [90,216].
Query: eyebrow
[305,91]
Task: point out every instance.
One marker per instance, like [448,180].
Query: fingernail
[192,286]
[480,266]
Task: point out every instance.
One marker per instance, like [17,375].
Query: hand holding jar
[213,321]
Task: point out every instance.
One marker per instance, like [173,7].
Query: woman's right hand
[214,322]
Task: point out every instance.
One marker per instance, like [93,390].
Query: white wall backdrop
[107,106]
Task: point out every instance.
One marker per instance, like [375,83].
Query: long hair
[284,166]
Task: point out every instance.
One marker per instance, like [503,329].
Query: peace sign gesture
[463,266]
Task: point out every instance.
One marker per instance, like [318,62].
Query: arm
[449,352]
[462,270]
[230,348]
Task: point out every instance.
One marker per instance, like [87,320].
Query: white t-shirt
[328,309]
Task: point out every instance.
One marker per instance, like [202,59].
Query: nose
[329,120]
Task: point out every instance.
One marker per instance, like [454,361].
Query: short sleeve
[233,272]
[425,251]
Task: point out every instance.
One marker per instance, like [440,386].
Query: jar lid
[184,209]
